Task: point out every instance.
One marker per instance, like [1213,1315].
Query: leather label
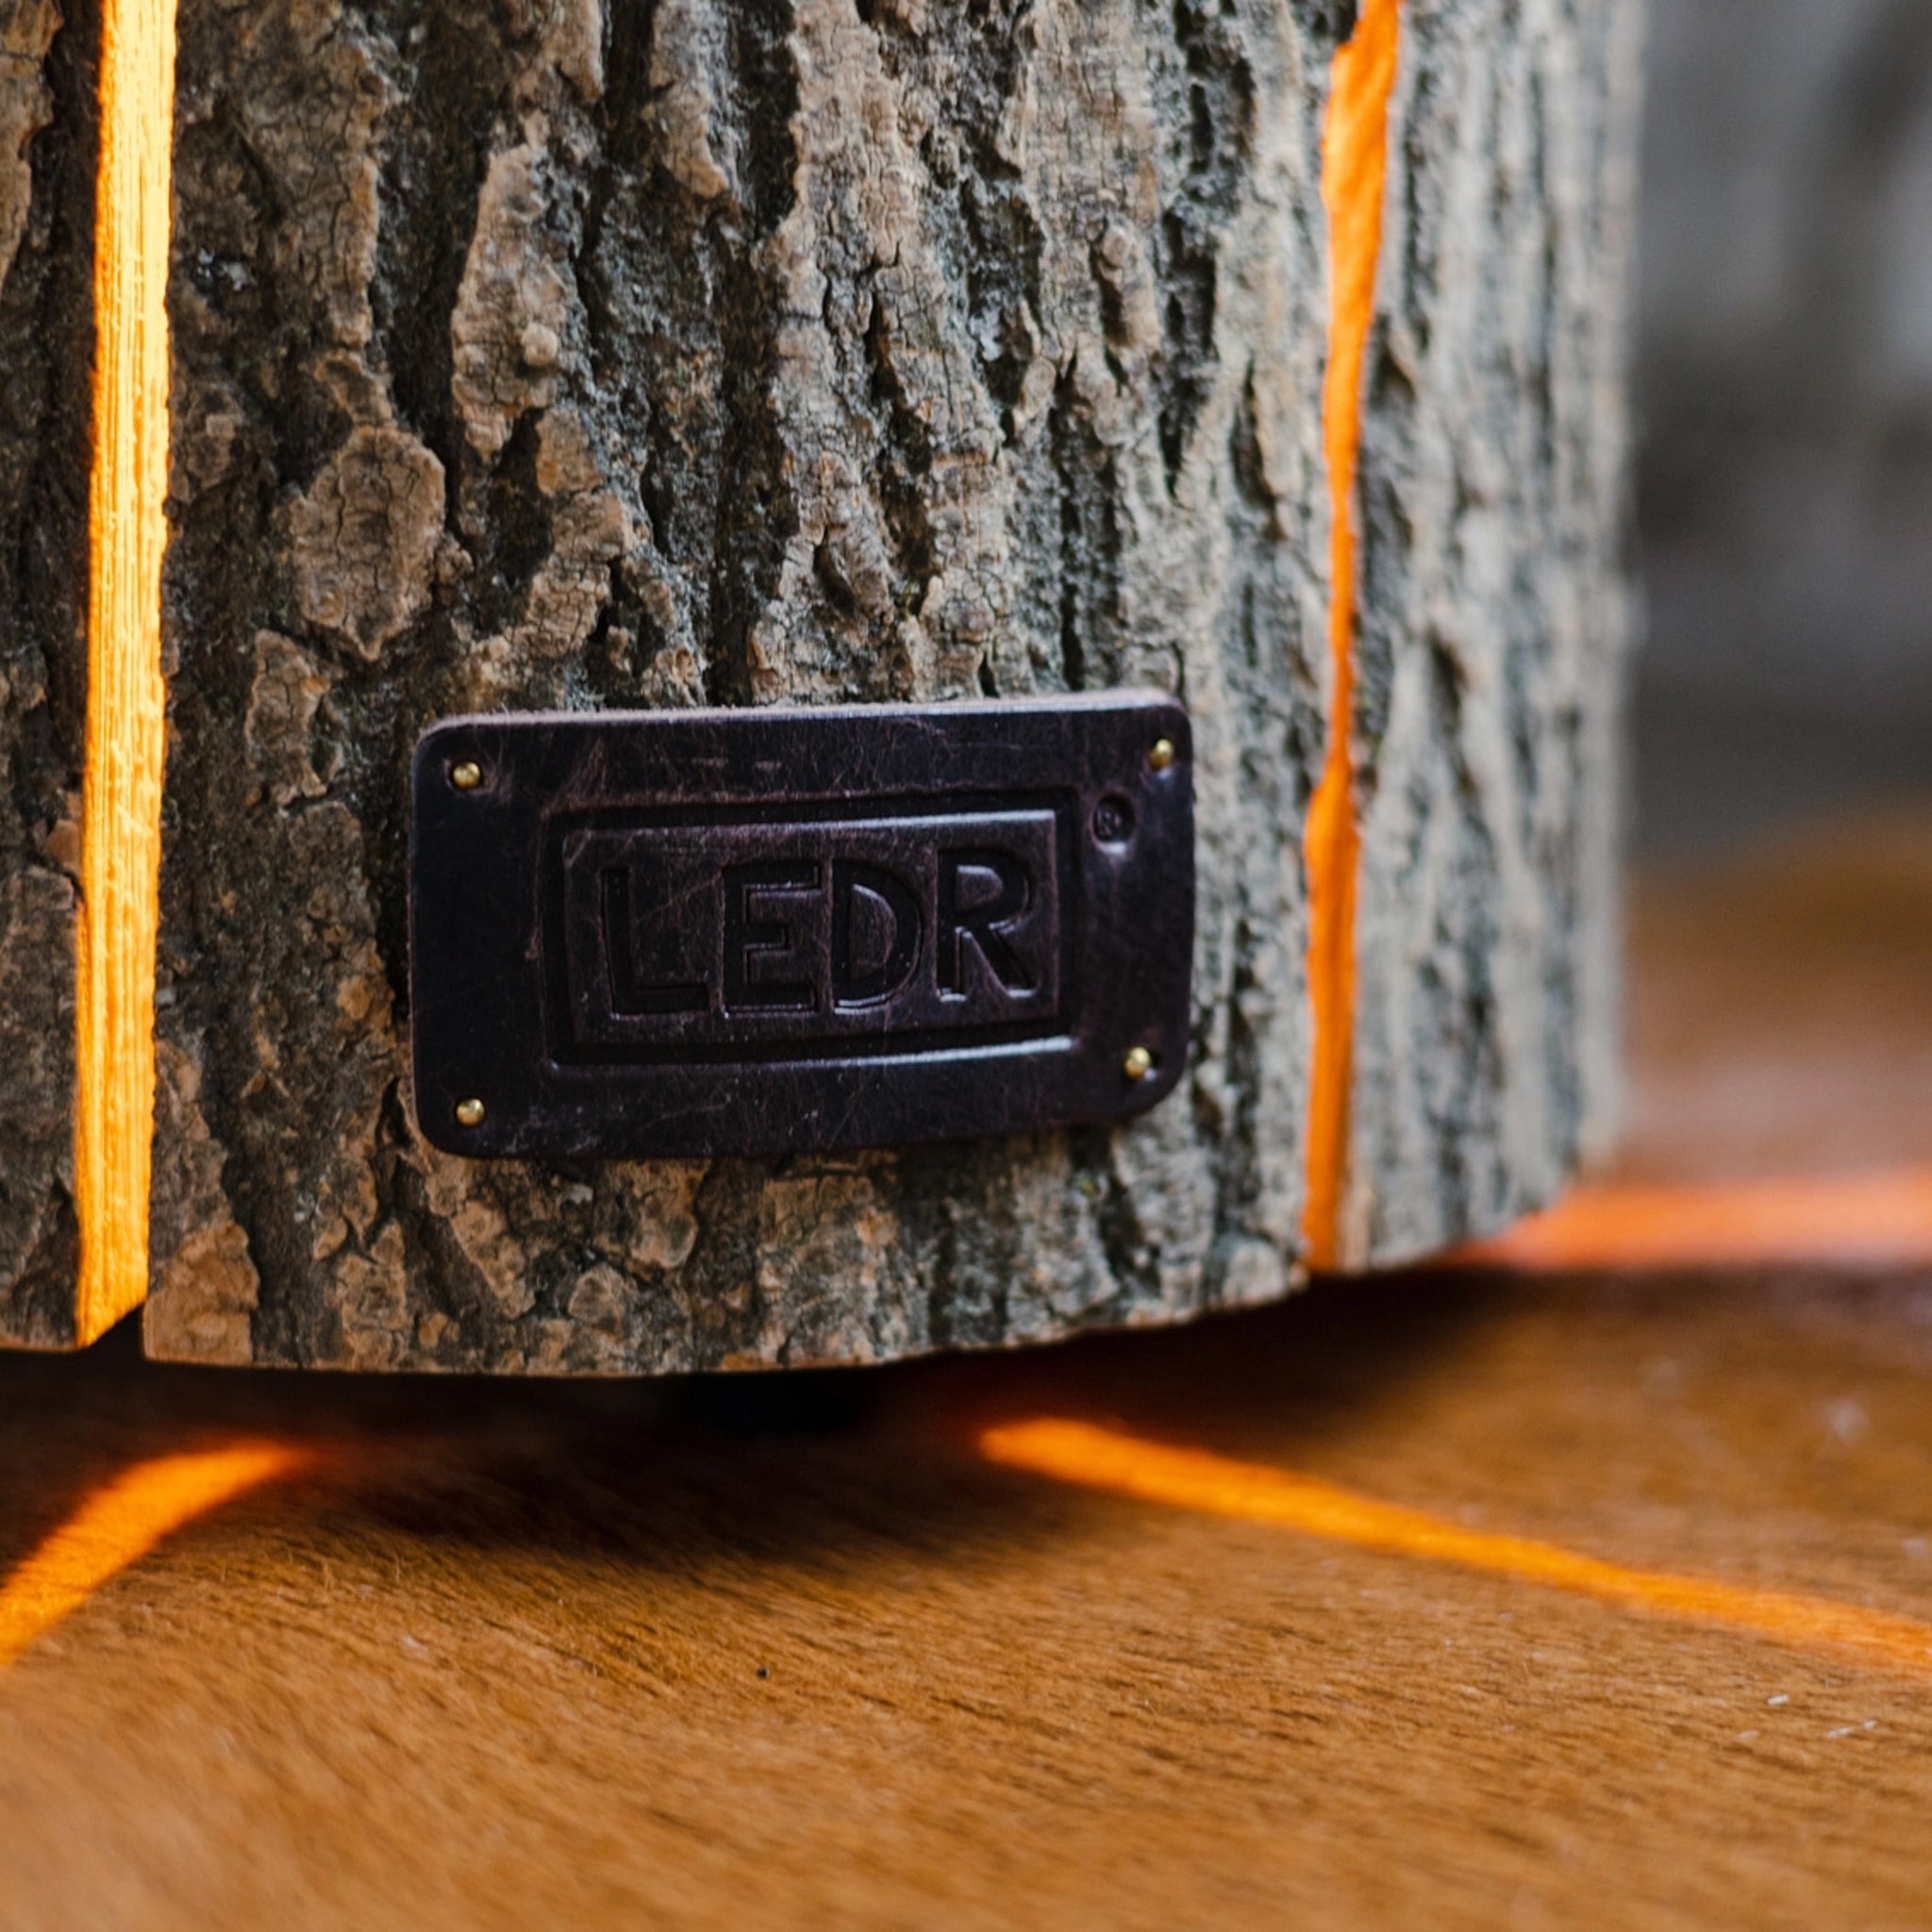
[697,933]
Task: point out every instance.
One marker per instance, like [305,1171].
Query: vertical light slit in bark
[122,785]
[1354,163]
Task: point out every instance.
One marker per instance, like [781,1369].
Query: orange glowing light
[120,811]
[1354,164]
[1872,1220]
[1097,1459]
[121,1523]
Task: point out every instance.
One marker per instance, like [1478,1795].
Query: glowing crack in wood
[125,740]
[1354,166]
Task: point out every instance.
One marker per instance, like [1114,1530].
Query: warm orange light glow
[1354,164]
[1871,1219]
[121,1523]
[120,816]
[1098,1458]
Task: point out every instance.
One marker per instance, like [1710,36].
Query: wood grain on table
[793,1652]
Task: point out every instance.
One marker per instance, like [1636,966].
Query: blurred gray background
[1785,398]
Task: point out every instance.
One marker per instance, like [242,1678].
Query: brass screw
[467,776]
[468,1114]
[1164,753]
[1137,1065]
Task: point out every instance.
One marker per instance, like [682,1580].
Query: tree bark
[48,153]
[546,353]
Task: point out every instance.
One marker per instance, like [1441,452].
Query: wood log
[543,354]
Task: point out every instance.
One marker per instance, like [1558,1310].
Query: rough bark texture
[530,354]
[1494,619]
[48,143]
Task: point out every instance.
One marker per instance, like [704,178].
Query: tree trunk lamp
[1232,391]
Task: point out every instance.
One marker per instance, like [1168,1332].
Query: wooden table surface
[795,1651]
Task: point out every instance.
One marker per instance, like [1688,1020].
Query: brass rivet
[1164,753]
[468,1114]
[1137,1065]
[467,776]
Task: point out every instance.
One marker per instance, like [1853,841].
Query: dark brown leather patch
[697,933]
